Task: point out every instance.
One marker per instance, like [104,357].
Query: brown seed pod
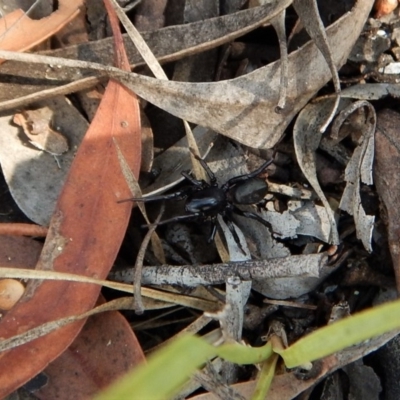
[11,291]
[384,7]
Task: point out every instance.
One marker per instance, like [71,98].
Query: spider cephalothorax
[205,201]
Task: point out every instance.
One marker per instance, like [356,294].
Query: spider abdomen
[210,201]
[251,191]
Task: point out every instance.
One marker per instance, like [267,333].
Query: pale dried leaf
[359,170]
[33,176]
[372,91]
[242,108]
[309,15]
[313,219]
[168,44]
[295,286]
[37,126]
[235,253]
[307,136]
[278,23]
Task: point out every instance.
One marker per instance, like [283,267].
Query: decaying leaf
[312,219]
[37,127]
[309,15]
[168,44]
[85,367]
[85,234]
[307,136]
[372,91]
[386,174]
[34,177]
[236,253]
[359,170]
[244,108]
[19,32]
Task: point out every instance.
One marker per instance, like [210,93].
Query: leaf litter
[295,223]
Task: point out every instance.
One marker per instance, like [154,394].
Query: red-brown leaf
[85,234]
[105,349]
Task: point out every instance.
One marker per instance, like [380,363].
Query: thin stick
[20,229]
[137,277]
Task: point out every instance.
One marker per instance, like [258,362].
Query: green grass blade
[264,378]
[342,334]
[239,354]
[172,366]
[164,373]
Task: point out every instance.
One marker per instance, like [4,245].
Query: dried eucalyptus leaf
[359,169]
[33,176]
[387,175]
[372,91]
[283,288]
[307,136]
[244,108]
[168,44]
[309,16]
[278,23]
[236,253]
[177,159]
[312,219]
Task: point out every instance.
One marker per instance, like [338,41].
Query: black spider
[204,201]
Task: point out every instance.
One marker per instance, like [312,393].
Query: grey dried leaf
[307,136]
[244,108]
[33,176]
[37,126]
[235,253]
[359,169]
[295,286]
[168,44]
[312,219]
[309,16]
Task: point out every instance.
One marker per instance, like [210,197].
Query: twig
[20,229]
[137,276]
[311,265]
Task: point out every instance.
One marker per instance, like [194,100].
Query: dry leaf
[85,234]
[168,44]
[307,136]
[105,349]
[359,169]
[19,32]
[244,108]
[386,174]
[33,176]
[37,127]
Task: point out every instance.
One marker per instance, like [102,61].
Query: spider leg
[179,195]
[187,217]
[252,215]
[198,183]
[213,230]
[235,180]
[213,179]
